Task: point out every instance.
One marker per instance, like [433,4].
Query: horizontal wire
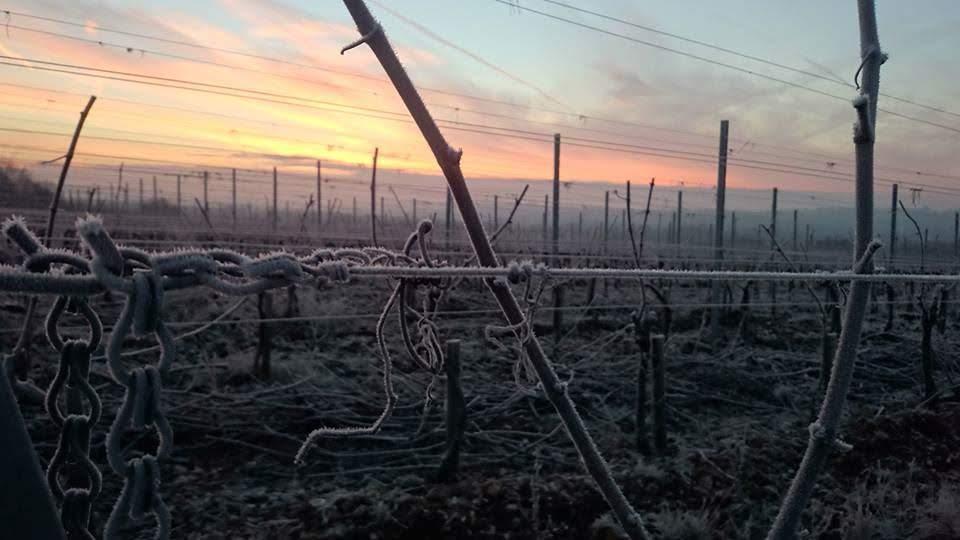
[13,279]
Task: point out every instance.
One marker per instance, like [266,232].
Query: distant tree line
[17,188]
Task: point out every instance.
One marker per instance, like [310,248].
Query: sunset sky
[501,79]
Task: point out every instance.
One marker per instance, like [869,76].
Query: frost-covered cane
[823,432]
[449,160]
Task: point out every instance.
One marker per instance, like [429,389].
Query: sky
[501,79]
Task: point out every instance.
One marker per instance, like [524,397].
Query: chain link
[72,455]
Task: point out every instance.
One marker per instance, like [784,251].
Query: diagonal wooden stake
[18,362]
[449,161]
[823,432]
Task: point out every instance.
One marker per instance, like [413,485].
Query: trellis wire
[14,279]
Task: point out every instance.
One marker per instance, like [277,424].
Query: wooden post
[354,219]
[142,207]
[206,195]
[319,197]
[496,212]
[822,442]
[679,229]
[261,360]
[773,236]
[642,333]
[233,184]
[795,246]
[716,288]
[373,196]
[116,202]
[414,210]
[928,321]
[828,348]
[156,198]
[276,214]
[659,223]
[733,233]
[606,235]
[606,220]
[557,289]
[449,162]
[956,236]
[546,204]
[455,409]
[891,253]
[659,394]
[179,197]
[448,220]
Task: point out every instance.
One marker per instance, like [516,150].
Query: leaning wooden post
[449,161]
[456,413]
[716,289]
[823,432]
[659,394]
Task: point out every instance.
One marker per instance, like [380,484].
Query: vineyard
[476,366]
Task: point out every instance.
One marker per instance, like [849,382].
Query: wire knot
[818,433]
[522,271]
[276,265]
[363,39]
[333,271]
[147,299]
